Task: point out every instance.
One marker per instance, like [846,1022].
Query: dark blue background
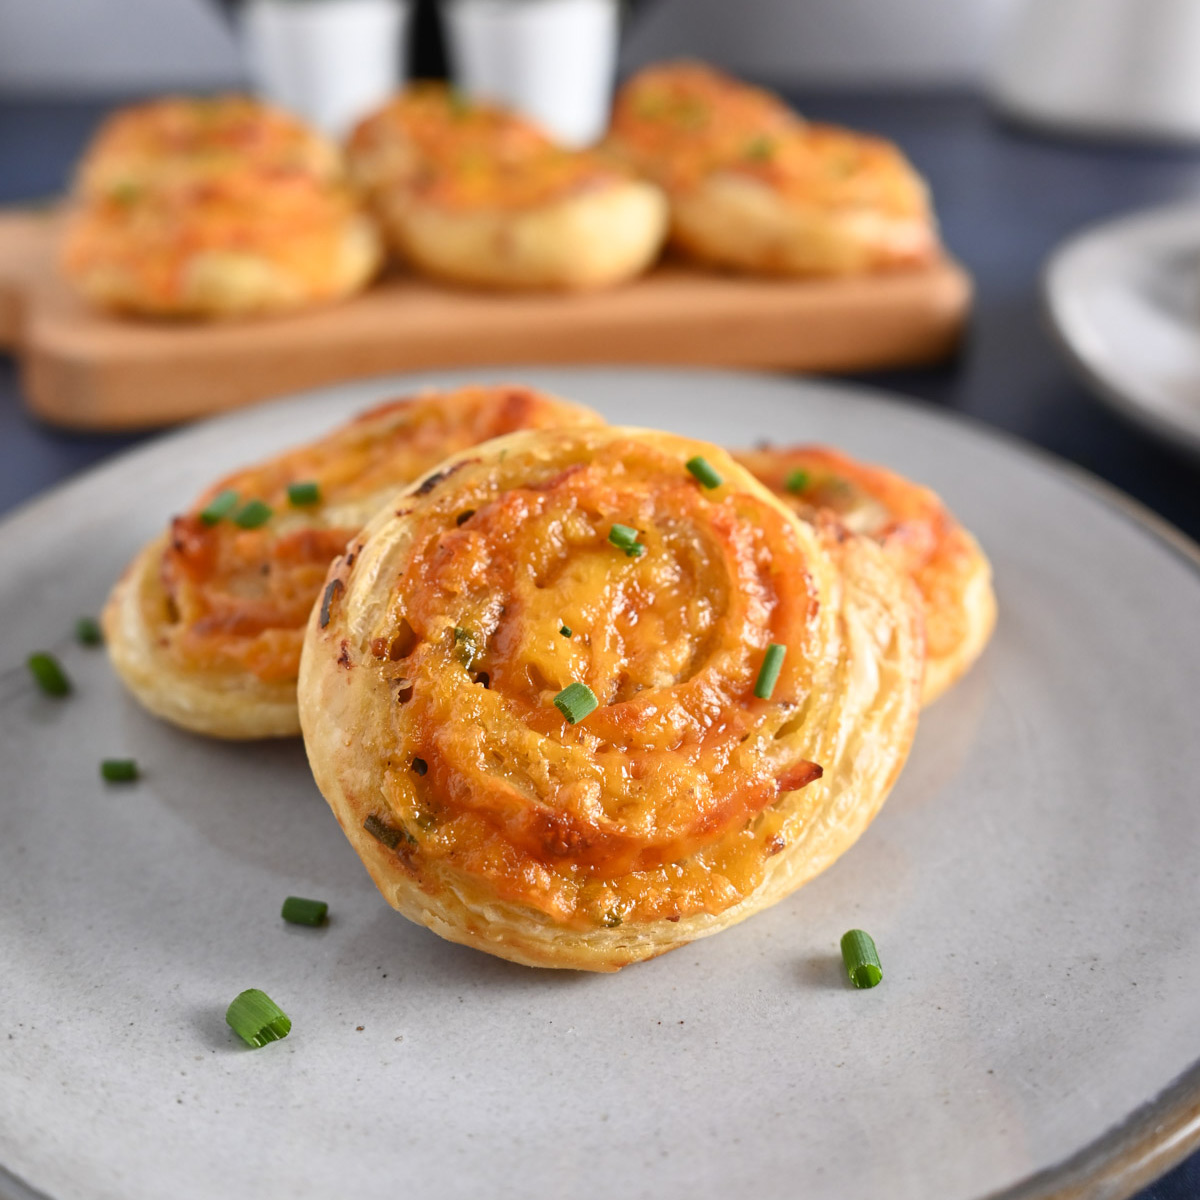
[1006,198]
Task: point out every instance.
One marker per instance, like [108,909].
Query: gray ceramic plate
[1031,885]
[1124,299]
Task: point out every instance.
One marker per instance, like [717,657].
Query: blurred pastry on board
[474,194]
[214,208]
[205,626]
[917,532]
[754,187]
[537,696]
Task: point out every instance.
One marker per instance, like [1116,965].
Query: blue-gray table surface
[1006,197]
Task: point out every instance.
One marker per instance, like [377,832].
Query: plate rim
[1128,1156]
[1126,403]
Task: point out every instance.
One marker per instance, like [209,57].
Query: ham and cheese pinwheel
[206,625]
[753,187]
[540,695]
[475,194]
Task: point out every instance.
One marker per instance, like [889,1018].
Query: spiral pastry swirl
[435,666]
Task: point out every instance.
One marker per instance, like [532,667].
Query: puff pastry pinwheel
[212,208]
[446,675]
[234,246]
[205,626]
[188,139]
[917,532]
[753,187]
[477,195]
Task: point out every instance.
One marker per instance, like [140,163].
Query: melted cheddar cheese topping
[661,803]
[463,155]
[236,599]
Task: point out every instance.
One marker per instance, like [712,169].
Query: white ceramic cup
[1126,67]
[553,60]
[329,61]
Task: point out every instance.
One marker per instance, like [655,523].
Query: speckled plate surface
[1031,885]
[1124,300]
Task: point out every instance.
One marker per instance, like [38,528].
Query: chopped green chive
[625,537]
[565,631]
[87,632]
[297,911]
[301,494]
[797,481]
[703,471]
[332,589]
[768,673]
[119,770]
[861,959]
[467,645]
[221,505]
[257,1019]
[49,675]
[252,514]
[760,149]
[575,701]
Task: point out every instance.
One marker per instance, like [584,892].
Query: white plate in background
[1031,884]
[1124,299]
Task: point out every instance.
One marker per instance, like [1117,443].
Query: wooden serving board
[87,370]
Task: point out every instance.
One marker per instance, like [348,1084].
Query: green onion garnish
[301,494]
[297,911]
[334,587]
[87,632]
[50,676]
[252,514]
[797,481]
[565,631]
[625,537]
[257,1019]
[119,770]
[221,505]
[467,645]
[703,471]
[760,149]
[575,701]
[861,959]
[768,673]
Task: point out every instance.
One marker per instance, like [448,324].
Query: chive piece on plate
[796,481]
[51,678]
[252,514]
[221,505]
[625,537]
[565,631]
[298,911]
[257,1019]
[861,959]
[87,632]
[703,471]
[302,494]
[119,770]
[575,701]
[768,673]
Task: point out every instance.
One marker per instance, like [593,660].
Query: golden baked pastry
[434,669]
[188,139]
[475,194]
[205,626]
[916,530]
[753,187]
[235,245]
